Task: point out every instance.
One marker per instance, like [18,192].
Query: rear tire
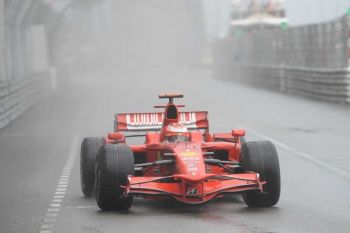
[114,164]
[261,157]
[88,153]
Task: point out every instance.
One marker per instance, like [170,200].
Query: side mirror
[116,136]
[238,132]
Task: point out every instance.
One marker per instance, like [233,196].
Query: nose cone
[189,159]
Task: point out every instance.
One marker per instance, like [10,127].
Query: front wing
[193,190]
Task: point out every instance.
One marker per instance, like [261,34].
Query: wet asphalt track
[313,139]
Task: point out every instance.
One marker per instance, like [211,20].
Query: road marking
[81,207]
[61,188]
[50,215]
[60,193]
[312,159]
[55,205]
[45,231]
[57,200]
[53,210]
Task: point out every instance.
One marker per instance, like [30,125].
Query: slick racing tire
[88,153]
[261,157]
[114,164]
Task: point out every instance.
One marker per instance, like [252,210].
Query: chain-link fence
[311,60]
[319,45]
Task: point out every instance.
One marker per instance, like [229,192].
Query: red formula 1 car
[180,159]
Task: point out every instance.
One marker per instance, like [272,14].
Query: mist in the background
[314,11]
[140,37]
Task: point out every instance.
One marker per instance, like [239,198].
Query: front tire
[261,157]
[88,153]
[114,164]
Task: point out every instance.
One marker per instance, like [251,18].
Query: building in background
[257,15]
[219,14]
[299,11]
[244,9]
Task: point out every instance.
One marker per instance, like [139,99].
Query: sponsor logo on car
[189,153]
[192,191]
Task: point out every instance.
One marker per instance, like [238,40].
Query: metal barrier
[28,38]
[319,84]
[18,96]
[24,65]
[33,45]
[310,60]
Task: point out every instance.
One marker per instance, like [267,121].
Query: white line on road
[81,207]
[61,188]
[312,159]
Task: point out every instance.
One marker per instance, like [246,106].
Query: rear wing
[154,121]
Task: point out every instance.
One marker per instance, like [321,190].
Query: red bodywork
[193,172]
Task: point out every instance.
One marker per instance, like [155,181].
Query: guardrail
[19,95]
[320,84]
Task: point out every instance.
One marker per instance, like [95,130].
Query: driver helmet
[176,132]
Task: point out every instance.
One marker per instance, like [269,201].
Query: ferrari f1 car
[179,159]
